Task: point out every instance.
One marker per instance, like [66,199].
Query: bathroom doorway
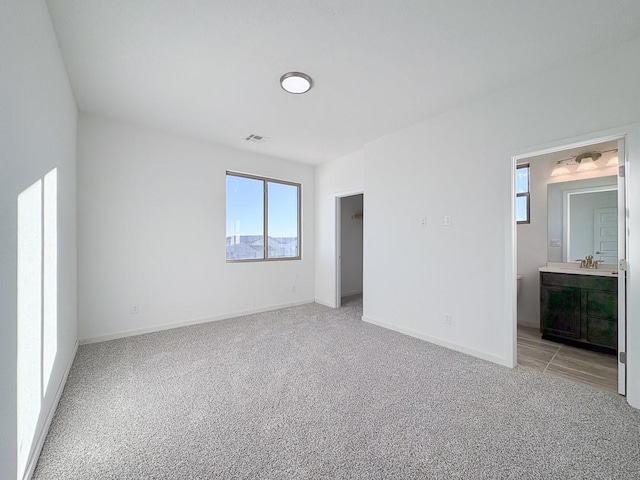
[571,192]
[349,246]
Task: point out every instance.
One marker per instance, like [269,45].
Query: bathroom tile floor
[584,366]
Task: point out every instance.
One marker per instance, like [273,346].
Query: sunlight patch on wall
[37,305]
[50,276]
[29,317]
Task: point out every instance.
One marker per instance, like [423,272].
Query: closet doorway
[349,246]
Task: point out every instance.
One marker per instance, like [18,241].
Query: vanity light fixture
[560,168]
[585,161]
[296,82]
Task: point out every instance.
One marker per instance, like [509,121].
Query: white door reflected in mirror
[582,220]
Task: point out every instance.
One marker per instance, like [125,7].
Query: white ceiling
[210,68]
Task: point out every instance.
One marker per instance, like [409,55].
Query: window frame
[265,224]
[526,194]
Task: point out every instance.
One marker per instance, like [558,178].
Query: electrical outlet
[135,309]
[447,220]
[447,319]
[423,222]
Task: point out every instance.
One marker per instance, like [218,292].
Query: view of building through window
[259,208]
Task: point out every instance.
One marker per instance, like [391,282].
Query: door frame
[621,136]
[338,242]
[623,255]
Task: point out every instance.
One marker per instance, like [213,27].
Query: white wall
[460,164]
[533,238]
[532,245]
[341,177]
[38,125]
[351,228]
[151,232]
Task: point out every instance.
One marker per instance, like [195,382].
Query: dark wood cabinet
[581,310]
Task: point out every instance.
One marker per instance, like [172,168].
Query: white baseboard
[325,303]
[169,326]
[42,435]
[438,341]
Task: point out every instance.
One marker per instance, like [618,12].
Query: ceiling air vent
[256,138]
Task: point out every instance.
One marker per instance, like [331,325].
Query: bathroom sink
[574,268]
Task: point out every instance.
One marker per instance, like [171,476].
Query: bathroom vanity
[579,306]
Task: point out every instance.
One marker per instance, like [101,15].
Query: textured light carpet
[312,392]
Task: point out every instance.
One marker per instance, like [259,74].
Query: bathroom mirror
[582,219]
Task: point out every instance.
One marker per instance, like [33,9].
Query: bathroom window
[522,193]
[260,209]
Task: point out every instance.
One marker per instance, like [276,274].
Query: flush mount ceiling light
[585,161]
[295,82]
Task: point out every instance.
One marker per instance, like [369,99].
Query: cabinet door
[602,304]
[602,332]
[560,311]
[602,318]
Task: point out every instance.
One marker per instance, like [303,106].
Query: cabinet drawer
[602,332]
[591,282]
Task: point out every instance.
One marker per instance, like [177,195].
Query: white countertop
[573,268]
